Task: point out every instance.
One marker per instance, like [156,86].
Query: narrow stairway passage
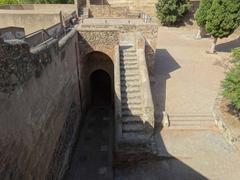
[92,157]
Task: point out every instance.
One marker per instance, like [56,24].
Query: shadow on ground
[163,165]
[228,46]
[164,65]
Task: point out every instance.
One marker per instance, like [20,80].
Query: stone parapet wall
[31,21]
[149,31]
[37,114]
[108,11]
[95,39]
[49,7]
[148,108]
[104,8]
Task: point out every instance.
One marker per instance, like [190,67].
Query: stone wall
[102,8]
[30,20]
[95,39]
[149,30]
[49,7]
[11,33]
[108,11]
[96,52]
[39,110]
[33,17]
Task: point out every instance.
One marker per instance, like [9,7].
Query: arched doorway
[96,67]
[100,88]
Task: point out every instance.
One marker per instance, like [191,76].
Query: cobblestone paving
[92,158]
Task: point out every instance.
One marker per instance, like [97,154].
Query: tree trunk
[201,33]
[213,47]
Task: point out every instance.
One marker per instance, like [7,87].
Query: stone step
[129,50]
[132,105]
[190,118]
[130,77]
[191,127]
[135,85]
[131,102]
[129,73]
[137,137]
[192,122]
[129,63]
[130,96]
[134,119]
[132,128]
[129,66]
[130,88]
[129,91]
[133,112]
[127,79]
[129,82]
[132,108]
[127,53]
[128,58]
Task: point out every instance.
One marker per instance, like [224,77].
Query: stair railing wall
[117,95]
[148,107]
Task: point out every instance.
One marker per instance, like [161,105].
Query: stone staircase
[191,121]
[131,95]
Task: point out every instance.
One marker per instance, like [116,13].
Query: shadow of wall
[164,65]
[134,162]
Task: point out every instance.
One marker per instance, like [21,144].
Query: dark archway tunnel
[100,88]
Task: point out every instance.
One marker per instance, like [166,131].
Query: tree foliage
[223,18]
[202,12]
[236,55]
[171,12]
[231,86]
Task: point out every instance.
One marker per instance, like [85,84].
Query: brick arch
[93,61]
[101,49]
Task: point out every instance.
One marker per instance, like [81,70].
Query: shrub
[236,55]
[171,12]
[231,86]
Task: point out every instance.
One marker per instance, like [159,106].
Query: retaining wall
[39,110]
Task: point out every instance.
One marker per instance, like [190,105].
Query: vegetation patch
[172,12]
[231,84]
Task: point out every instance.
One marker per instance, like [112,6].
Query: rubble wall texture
[39,110]
[113,7]
[149,30]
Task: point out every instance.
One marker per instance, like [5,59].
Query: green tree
[171,12]
[201,16]
[222,19]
